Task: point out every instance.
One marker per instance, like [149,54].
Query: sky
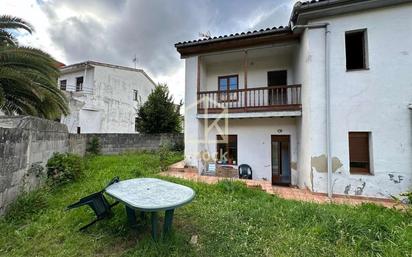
[114,31]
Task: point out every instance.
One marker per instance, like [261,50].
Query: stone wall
[118,143]
[26,143]
[77,143]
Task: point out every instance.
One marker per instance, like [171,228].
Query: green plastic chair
[98,203]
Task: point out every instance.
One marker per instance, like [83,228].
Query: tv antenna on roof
[135,61]
[205,35]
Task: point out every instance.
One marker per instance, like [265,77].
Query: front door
[281,160]
[277,96]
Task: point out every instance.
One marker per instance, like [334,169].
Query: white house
[104,98]
[323,103]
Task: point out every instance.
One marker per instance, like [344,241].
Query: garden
[226,219]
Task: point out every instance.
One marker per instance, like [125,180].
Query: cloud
[114,31]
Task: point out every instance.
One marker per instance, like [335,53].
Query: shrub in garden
[408,197]
[178,146]
[27,205]
[93,146]
[164,154]
[63,168]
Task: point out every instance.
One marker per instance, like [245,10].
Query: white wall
[254,142]
[192,128]
[106,105]
[88,78]
[301,68]
[374,100]
[258,67]
[77,100]
[114,88]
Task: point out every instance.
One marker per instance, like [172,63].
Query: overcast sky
[113,31]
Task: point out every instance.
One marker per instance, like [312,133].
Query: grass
[228,219]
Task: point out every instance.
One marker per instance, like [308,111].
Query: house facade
[323,103]
[103,98]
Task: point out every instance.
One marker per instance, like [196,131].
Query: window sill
[362,69]
[361,173]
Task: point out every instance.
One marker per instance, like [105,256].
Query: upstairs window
[356,50]
[227,149]
[63,85]
[228,86]
[79,84]
[359,155]
[135,95]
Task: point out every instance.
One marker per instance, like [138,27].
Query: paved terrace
[177,170]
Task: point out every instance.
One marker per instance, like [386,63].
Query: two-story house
[323,103]
[103,98]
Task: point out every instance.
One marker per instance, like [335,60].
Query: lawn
[227,218]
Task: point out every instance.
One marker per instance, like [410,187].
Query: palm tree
[28,76]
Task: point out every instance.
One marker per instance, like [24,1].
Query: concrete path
[177,170]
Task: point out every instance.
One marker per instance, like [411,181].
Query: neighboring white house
[323,103]
[104,98]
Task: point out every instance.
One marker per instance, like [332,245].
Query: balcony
[250,83]
[258,99]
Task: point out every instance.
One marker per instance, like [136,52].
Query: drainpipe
[327,100]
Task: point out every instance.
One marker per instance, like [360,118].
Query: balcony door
[281,160]
[277,96]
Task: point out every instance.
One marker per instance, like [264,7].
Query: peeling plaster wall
[106,103]
[374,100]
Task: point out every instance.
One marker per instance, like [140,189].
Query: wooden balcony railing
[259,99]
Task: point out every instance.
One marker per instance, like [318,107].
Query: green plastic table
[151,195]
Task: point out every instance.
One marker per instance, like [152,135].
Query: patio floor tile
[177,170]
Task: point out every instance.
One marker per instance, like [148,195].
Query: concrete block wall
[28,142]
[77,143]
[24,142]
[118,143]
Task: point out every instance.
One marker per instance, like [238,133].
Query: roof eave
[195,48]
[302,13]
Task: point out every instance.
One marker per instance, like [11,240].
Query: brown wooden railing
[274,98]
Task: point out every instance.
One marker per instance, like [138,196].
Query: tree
[28,76]
[159,114]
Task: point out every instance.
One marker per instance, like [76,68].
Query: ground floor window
[359,155]
[227,149]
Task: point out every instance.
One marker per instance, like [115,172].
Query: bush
[408,197]
[63,168]
[164,154]
[178,146]
[93,146]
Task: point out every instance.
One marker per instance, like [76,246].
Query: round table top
[151,194]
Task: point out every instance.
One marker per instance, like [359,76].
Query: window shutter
[359,151]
